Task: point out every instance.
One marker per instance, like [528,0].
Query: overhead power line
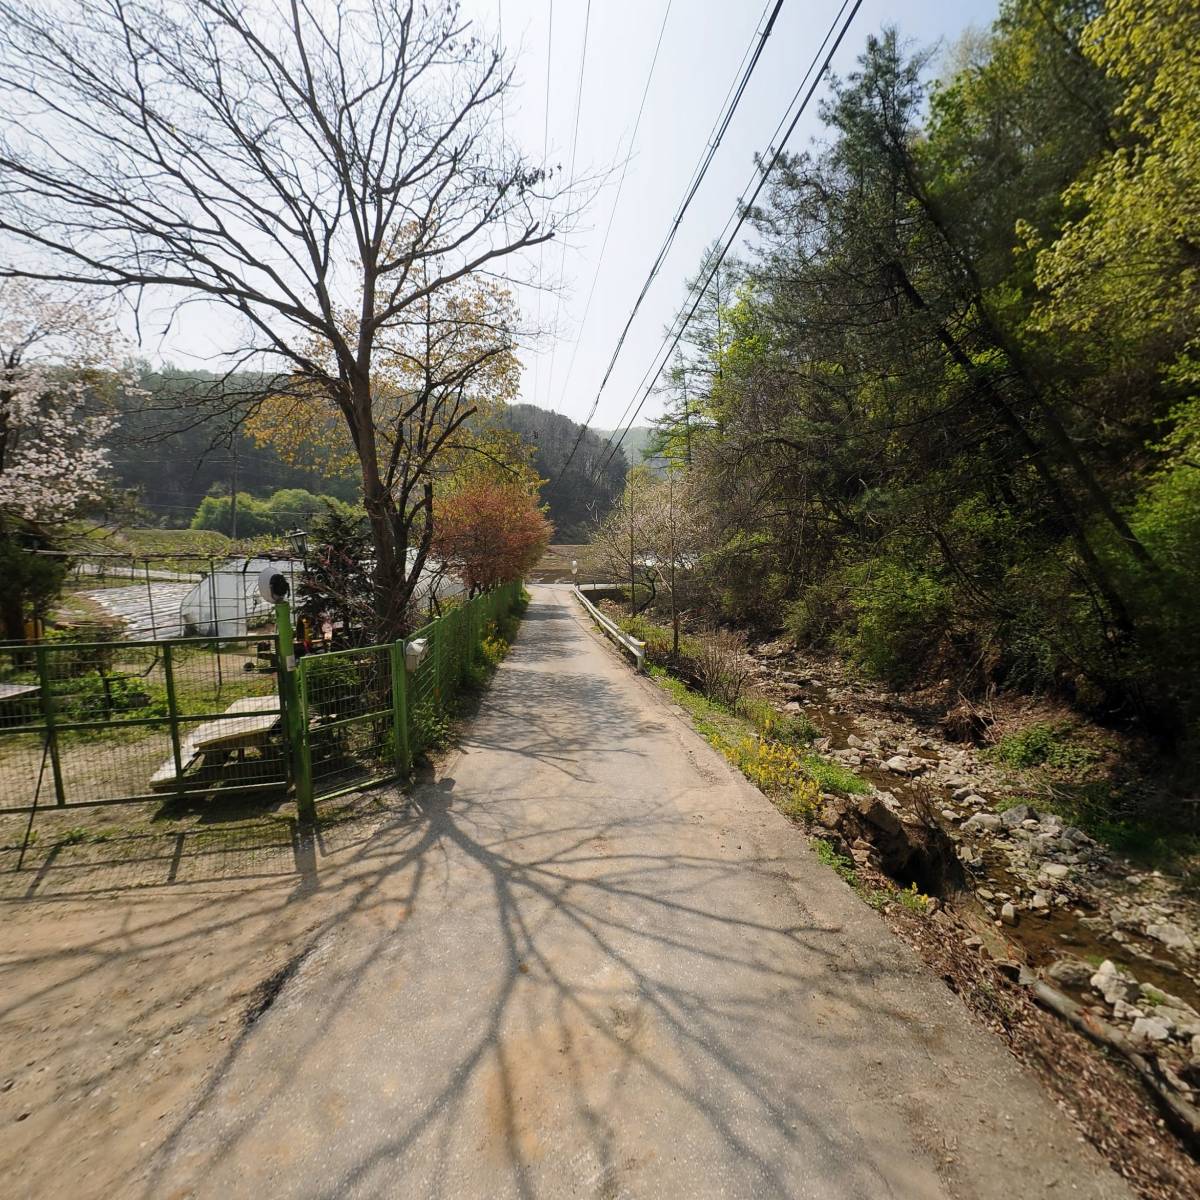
[545,149]
[733,99]
[587,308]
[562,264]
[744,207]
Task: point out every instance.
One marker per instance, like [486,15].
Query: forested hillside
[950,423]
[582,493]
[176,444]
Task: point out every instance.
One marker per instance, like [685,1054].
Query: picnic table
[18,703]
[246,724]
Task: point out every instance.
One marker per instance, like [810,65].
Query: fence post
[60,795]
[172,714]
[438,683]
[293,701]
[400,709]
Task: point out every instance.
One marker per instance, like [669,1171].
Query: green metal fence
[107,722]
[367,713]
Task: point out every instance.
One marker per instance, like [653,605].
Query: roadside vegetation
[708,677]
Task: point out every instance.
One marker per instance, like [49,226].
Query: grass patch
[770,750]
[1043,745]
[836,862]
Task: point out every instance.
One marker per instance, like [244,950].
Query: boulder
[1019,813]
[1150,1029]
[1171,936]
[1114,984]
[1070,972]
[1008,914]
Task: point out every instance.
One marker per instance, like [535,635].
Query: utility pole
[233,493]
[632,576]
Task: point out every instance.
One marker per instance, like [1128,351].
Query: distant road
[600,964]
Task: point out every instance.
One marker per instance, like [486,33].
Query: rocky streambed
[1024,885]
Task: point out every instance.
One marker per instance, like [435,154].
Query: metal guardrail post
[60,794]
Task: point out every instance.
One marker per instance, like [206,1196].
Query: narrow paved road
[593,962]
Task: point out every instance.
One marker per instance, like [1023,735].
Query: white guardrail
[618,635]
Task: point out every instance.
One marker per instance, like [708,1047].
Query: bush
[432,726]
[334,685]
[899,615]
[1043,745]
[813,619]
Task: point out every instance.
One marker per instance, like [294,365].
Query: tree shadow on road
[565,952]
[490,966]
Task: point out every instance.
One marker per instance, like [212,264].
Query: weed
[912,899]
[432,726]
[833,777]
[72,837]
[835,861]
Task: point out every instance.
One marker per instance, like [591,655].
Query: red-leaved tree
[487,532]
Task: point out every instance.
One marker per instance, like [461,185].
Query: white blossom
[59,360]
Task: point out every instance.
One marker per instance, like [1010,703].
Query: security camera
[272,586]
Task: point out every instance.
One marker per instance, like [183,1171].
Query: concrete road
[594,962]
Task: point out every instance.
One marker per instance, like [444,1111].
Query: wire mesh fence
[107,721]
[86,723]
[369,712]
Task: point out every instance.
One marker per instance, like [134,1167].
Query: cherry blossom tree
[60,361]
[60,365]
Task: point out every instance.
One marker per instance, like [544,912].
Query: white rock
[1008,914]
[1056,870]
[1150,1029]
[980,822]
[1113,984]
[948,814]
[1171,936]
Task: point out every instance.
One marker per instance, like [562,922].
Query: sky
[702,49]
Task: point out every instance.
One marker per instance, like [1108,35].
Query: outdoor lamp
[298,539]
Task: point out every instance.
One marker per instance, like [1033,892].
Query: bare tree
[291,160]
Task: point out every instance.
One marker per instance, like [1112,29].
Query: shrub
[1043,745]
[334,685]
[723,667]
[432,726]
